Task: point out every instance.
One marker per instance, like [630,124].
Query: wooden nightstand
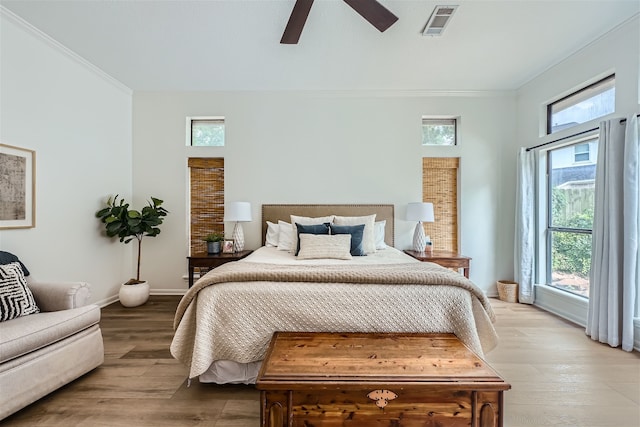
[444,258]
[212,261]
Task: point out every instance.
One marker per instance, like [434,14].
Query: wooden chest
[339,379]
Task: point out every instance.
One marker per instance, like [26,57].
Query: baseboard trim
[105,302]
[168,291]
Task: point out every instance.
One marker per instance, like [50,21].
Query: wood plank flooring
[559,377]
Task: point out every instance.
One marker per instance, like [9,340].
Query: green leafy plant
[214,237]
[128,224]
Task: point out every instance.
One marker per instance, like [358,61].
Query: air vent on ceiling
[438,20]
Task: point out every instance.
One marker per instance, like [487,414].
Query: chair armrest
[56,296]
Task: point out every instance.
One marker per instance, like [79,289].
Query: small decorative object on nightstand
[421,212]
[238,212]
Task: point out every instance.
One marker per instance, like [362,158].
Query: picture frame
[227,246]
[17,193]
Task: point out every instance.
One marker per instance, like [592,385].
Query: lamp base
[419,238]
[238,238]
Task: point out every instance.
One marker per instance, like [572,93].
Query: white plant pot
[134,295]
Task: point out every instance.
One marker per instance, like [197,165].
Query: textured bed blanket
[234,319]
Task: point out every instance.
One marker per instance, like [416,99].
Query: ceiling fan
[377,15]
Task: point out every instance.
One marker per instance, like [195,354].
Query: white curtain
[524,244]
[615,259]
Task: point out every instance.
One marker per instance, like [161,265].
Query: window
[591,102]
[570,193]
[205,131]
[440,186]
[581,153]
[206,200]
[439,131]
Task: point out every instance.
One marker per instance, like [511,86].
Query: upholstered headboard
[274,213]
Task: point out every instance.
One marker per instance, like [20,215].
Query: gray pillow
[357,234]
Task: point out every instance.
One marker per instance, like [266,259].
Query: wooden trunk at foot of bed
[333,379]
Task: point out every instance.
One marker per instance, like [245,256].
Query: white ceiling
[234,44]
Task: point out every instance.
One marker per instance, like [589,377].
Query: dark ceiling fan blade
[296,22]
[378,15]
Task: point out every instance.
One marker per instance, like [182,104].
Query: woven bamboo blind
[440,187]
[207,199]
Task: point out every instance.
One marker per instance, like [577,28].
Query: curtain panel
[524,245]
[615,259]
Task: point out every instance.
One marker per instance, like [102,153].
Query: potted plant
[214,242]
[128,224]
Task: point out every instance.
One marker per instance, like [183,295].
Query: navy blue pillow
[8,258]
[311,229]
[357,232]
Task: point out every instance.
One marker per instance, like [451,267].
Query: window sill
[573,308]
[561,303]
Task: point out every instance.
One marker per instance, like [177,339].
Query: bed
[224,323]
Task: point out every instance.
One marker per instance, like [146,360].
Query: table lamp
[238,212]
[421,212]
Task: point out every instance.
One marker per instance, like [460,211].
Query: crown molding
[17,20]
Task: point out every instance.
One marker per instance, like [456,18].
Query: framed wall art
[17,187]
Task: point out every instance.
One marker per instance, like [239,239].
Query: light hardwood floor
[559,377]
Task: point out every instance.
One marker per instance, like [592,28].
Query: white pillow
[315,246]
[273,233]
[368,238]
[305,220]
[378,228]
[285,236]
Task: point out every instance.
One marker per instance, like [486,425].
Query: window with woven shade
[440,187]
[206,188]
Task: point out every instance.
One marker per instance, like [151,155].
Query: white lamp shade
[420,211]
[237,211]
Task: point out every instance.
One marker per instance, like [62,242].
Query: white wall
[78,121]
[321,147]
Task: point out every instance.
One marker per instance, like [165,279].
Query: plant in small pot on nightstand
[214,242]
[129,224]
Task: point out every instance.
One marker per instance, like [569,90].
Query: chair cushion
[26,334]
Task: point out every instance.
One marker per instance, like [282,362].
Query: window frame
[455,124]
[189,130]
[577,93]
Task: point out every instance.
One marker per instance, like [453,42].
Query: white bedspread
[235,320]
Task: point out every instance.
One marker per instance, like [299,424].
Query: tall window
[570,192]
[206,193]
[440,186]
[205,131]
[591,102]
